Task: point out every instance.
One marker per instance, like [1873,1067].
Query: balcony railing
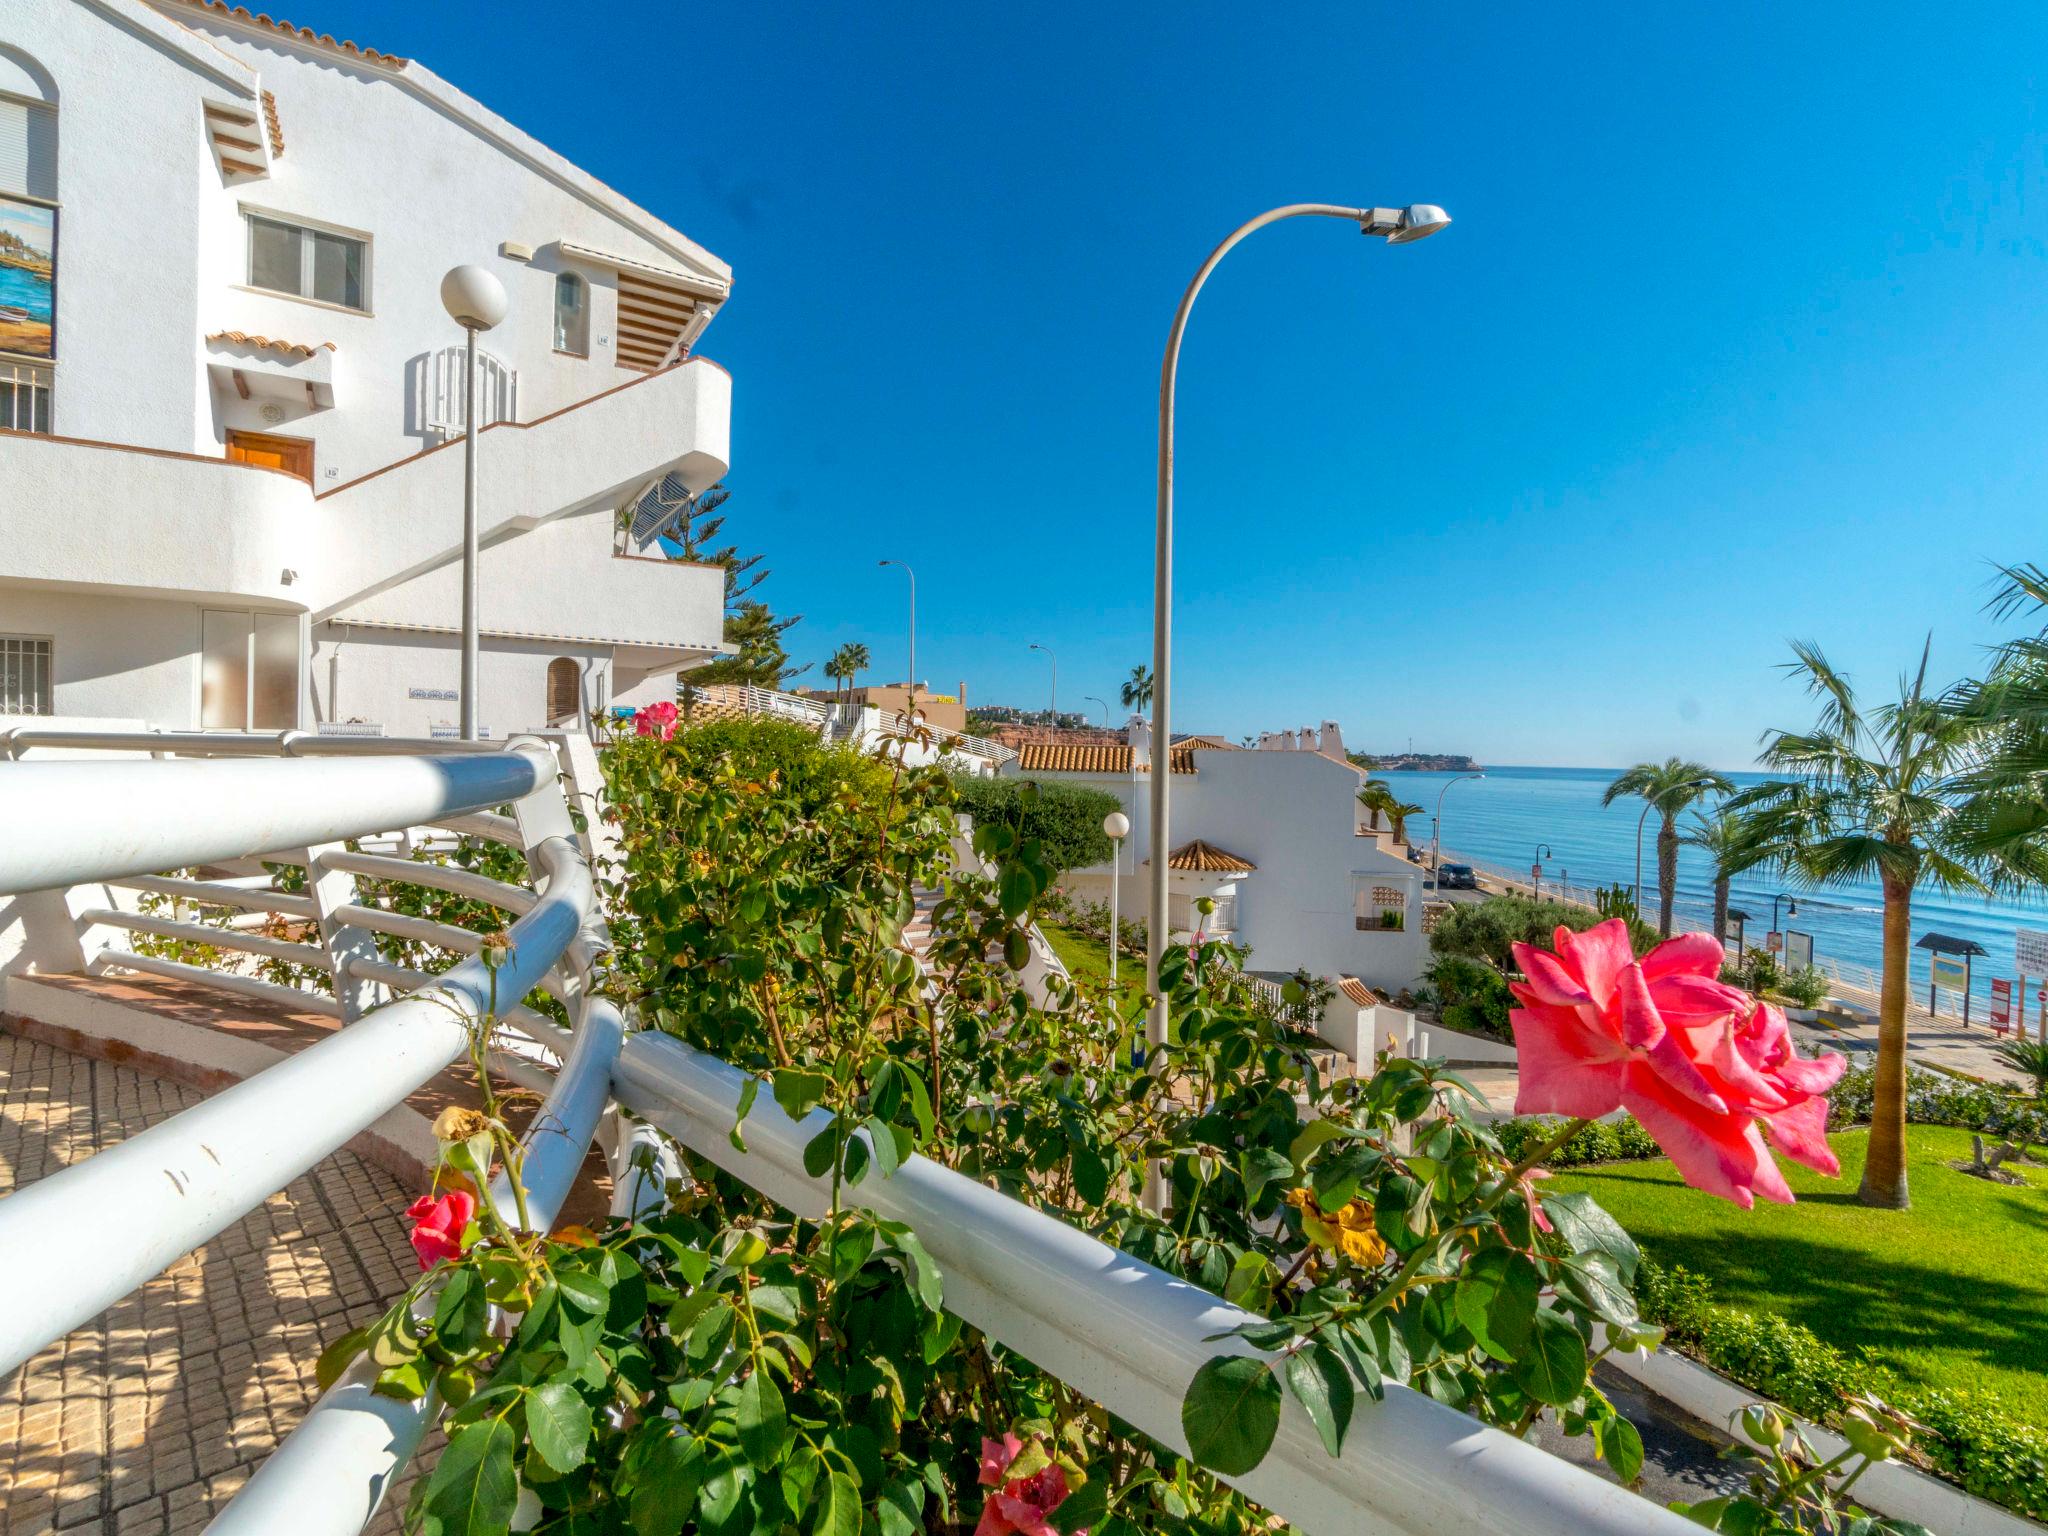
[1127,1335]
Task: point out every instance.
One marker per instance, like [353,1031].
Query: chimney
[1141,743]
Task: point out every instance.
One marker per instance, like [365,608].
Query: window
[572,314]
[249,671]
[308,263]
[24,397]
[293,455]
[25,683]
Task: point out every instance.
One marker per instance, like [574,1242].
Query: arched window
[565,694]
[28,237]
[572,314]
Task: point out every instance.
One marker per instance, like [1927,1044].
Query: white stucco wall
[1292,814]
[369,675]
[114,657]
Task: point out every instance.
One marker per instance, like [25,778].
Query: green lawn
[1086,959]
[1953,1292]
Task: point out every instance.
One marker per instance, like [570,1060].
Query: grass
[1086,959]
[1952,1293]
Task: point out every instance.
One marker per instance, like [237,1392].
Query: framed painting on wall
[28,279]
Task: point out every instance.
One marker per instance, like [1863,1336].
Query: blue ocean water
[1503,817]
[25,290]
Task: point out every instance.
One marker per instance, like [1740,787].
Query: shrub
[1486,930]
[1604,1141]
[1934,1098]
[1806,987]
[1472,996]
[1066,819]
[1974,1439]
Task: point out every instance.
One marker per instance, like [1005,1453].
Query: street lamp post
[1791,910]
[1089,698]
[1118,827]
[906,570]
[1542,852]
[1398,226]
[476,301]
[1055,721]
[1436,830]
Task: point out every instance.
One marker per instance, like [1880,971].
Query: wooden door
[564,691]
[293,455]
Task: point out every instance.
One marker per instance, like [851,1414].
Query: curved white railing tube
[332,1472]
[219,893]
[25,738]
[441,877]
[1132,1337]
[69,823]
[178,1183]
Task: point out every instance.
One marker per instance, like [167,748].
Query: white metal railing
[25,396]
[1124,1333]
[838,723]
[438,391]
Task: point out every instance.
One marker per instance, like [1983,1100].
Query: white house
[231,400]
[1274,835]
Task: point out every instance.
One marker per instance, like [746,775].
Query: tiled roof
[1208,859]
[303,34]
[270,122]
[1356,990]
[268,343]
[1090,757]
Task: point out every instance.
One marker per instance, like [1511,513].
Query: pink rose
[1700,1064]
[1020,1505]
[438,1225]
[655,720]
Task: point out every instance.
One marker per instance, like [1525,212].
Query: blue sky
[1739,335]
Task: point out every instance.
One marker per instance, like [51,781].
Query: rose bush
[729,1366]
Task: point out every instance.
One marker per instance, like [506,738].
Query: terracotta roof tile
[1090,757]
[1208,859]
[303,34]
[270,122]
[1356,990]
[268,343]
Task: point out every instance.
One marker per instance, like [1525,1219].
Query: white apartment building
[231,402]
[1274,835]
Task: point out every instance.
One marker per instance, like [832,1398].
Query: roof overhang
[262,370]
[662,309]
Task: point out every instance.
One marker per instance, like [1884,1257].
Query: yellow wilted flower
[456,1123]
[1349,1232]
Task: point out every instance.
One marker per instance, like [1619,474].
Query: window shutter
[28,149]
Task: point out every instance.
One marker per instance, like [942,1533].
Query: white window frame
[29,380]
[18,645]
[583,289]
[310,226]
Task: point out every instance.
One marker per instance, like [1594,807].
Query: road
[1681,1455]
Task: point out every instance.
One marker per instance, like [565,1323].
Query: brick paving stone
[151,1417]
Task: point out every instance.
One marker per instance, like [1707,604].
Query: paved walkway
[152,1416]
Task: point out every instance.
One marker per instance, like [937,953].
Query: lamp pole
[1436,830]
[1089,698]
[906,570]
[1055,721]
[1542,852]
[476,301]
[1118,827]
[1396,226]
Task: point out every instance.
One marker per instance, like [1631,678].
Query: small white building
[231,400]
[1274,835]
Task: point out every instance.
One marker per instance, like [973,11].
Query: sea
[25,290]
[1501,820]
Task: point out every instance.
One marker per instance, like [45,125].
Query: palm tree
[835,668]
[1720,837]
[1878,793]
[1670,786]
[2007,820]
[856,659]
[1136,692]
[1376,798]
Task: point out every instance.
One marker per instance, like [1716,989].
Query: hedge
[1065,818]
[1974,1438]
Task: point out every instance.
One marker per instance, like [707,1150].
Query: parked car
[1457,877]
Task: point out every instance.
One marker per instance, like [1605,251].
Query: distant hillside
[1416,762]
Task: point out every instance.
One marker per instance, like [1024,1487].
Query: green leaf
[1015,888]
[941,1328]
[581,1289]
[799,1092]
[882,1138]
[1552,1368]
[1322,1386]
[900,1511]
[1084,1508]
[1495,1300]
[1592,1278]
[1622,1445]
[761,1420]
[820,1150]
[1312,1136]
[473,1488]
[748,1091]
[924,1269]
[462,1311]
[838,1507]
[1260,1166]
[558,1424]
[1231,1413]
[1586,1228]
[1091,1174]
[339,1356]
[1251,1282]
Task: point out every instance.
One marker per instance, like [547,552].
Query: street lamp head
[1116,826]
[1418,221]
[473,297]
